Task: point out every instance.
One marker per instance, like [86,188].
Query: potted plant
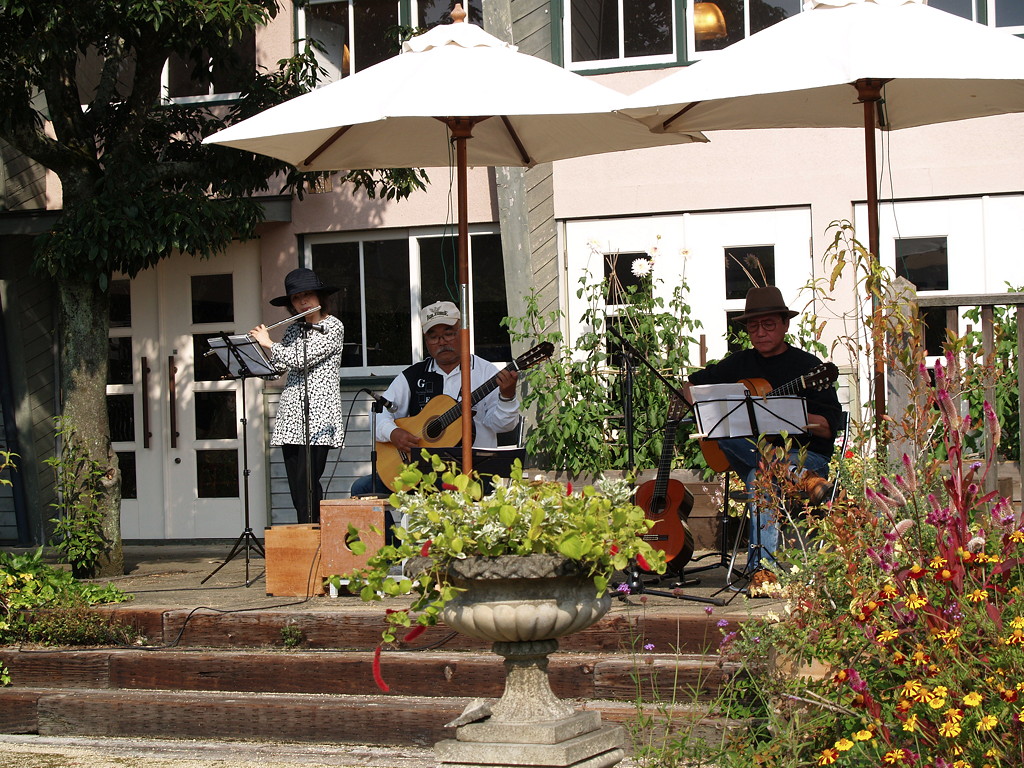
[457,540]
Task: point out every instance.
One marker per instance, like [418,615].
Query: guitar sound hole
[433,430]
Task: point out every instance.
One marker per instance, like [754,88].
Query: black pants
[295,466]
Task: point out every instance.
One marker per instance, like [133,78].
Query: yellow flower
[910,724]
[864,735]
[1017,536]
[828,756]
[977,596]
[894,756]
[986,723]
[920,658]
[888,635]
[937,562]
[1017,622]
[916,601]
[937,703]
[889,591]
[843,745]
[949,730]
[954,715]
[972,699]
[912,687]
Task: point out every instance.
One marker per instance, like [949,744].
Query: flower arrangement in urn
[448,517]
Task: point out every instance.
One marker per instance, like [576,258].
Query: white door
[178,422]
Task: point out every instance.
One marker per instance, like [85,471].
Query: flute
[293,318]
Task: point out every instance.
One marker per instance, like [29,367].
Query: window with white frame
[384,278]
[605,34]
[1005,14]
[355,34]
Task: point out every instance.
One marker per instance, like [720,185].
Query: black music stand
[729,411]
[634,574]
[244,359]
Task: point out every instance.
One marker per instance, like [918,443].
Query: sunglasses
[767,325]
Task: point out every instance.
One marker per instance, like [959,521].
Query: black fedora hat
[299,280]
[765,301]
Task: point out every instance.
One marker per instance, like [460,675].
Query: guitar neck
[665,462]
[789,388]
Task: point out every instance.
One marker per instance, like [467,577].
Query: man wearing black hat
[309,415]
[766,320]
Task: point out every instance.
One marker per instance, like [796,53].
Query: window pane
[337,264]
[386,266]
[1009,13]
[215,416]
[121,413]
[490,305]
[120,304]
[924,261]
[233,71]
[757,260]
[207,367]
[119,358]
[595,30]
[129,483]
[212,299]
[732,14]
[618,272]
[375,40]
[934,319]
[217,474]
[958,7]
[199,75]
[764,13]
[736,339]
[434,12]
[327,23]
[648,28]
[388,338]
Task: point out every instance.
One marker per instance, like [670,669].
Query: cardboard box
[335,517]
[293,560]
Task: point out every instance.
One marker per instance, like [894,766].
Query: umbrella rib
[680,113]
[323,147]
[527,160]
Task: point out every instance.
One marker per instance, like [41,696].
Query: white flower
[653,252]
[642,267]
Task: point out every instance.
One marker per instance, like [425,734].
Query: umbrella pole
[462,129]
[869,93]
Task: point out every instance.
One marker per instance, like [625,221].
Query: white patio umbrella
[452,84]
[880,64]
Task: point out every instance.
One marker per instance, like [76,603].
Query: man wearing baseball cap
[771,358]
[440,374]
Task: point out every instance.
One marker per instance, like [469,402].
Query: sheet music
[716,408]
[722,411]
[248,350]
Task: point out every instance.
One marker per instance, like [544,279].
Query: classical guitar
[818,378]
[439,424]
[666,500]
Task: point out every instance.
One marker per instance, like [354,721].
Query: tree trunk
[84,320]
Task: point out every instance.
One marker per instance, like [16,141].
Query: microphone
[382,401]
[314,327]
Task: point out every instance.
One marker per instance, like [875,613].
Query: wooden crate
[293,560]
[335,517]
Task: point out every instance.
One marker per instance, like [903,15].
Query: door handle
[146,434]
[172,371]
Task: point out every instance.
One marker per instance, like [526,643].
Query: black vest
[424,385]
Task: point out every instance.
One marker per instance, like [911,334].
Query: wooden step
[329,719]
[651,677]
[619,631]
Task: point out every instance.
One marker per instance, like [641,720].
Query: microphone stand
[633,572]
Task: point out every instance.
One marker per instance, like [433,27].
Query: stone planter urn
[523,605]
